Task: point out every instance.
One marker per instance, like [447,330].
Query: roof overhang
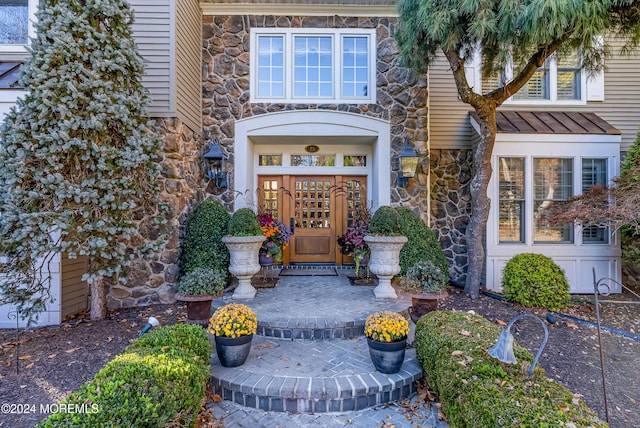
[356,8]
[545,126]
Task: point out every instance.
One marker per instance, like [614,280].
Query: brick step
[312,377]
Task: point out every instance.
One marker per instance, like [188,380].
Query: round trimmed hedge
[535,280]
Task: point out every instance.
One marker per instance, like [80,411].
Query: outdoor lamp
[503,349]
[213,164]
[408,163]
[153,322]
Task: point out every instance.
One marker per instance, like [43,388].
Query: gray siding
[153,31]
[188,58]
[74,291]
[450,126]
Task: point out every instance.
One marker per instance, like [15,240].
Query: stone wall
[451,173]
[401,94]
[152,281]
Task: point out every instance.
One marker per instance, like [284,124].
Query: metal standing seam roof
[546,122]
[10,74]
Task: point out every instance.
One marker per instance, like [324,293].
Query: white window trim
[31,33]
[337,36]
[591,88]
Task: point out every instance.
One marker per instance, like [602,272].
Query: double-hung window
[16,24]
[531,187]
[326,65]
[559,80]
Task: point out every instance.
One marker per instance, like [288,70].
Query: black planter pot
[233,352]
[387,357]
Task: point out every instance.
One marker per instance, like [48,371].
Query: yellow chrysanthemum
[386,326]
[233,320]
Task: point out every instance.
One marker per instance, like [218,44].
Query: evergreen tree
[506,32]
[77,156]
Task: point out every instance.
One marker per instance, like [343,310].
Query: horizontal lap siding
[189,63]
[75,291]
[153,33]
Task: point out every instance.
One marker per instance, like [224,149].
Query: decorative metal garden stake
[503,349]
[153,322]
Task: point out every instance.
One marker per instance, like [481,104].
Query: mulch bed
[55,361]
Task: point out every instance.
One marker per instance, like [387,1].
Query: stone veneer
[152,281]
[451,173]
[401,95]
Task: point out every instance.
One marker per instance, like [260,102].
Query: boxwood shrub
[535,280]
[158,380]
[422,244]
[477,390]
[202,247]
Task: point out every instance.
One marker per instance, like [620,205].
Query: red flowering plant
[352,243]
[278,235]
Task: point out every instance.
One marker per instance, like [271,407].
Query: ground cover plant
[478,391]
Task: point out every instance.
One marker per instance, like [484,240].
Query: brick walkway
[309,364]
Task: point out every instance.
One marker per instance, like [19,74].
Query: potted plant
[385,243]
[198,288]
[386,334]
[244,241]
[233,327]
[277,238]
[427,284]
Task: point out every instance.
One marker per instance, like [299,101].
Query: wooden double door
[317,208]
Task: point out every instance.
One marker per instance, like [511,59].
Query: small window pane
[537,88]
[14,22]
[594,172]
[270,66]
[270,160]
[355,66]
[568,77]
[553,182]
[313,160]
[511,200]
[355,160]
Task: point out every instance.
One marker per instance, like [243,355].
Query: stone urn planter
[244,262]
[384,262]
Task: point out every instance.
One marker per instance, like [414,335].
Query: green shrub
[202,246]
[182,337]
[535,280]
[244,222]
[202,281]
[478,391]
[159,380]
[422,244]
[385,222]
[429,277]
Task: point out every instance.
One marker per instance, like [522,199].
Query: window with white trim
[560,80]
[534,185]
[16,24]
[323,65]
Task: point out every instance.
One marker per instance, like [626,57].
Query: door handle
[292,225]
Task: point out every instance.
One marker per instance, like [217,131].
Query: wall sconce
[213,164]
[408,163]
[503,349]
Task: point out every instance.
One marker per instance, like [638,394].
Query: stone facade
[451,173]
[153,280]
[401,95]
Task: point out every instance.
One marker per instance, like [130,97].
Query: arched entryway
[308,168]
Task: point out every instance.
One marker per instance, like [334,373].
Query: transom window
[536,185]
[326,65]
